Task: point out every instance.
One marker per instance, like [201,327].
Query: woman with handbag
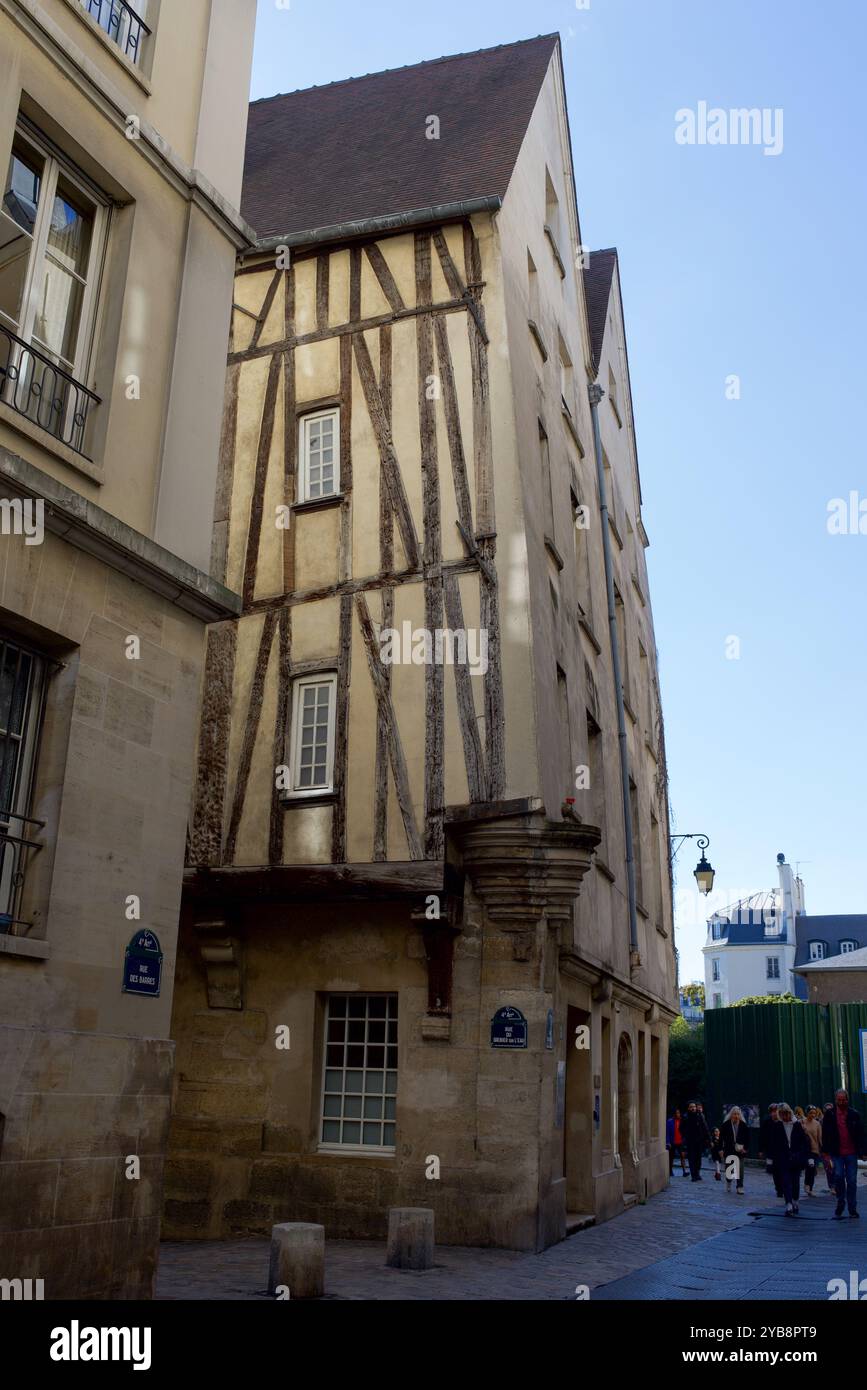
[790,1153]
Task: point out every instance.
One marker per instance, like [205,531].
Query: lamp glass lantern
[704,875]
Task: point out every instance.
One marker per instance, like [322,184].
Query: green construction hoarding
[800,1053]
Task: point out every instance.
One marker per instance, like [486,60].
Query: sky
[734,263]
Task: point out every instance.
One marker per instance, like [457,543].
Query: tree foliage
[694,993]
[686,1072]
[767,999]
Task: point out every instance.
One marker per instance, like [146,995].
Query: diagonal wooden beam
[481,394]
[251,729]
[473,759]
[257,501]
[387,284]
[387,455]
[262,317]
[385,713]
[453,425]
[456,285]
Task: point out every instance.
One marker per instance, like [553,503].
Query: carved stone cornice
[528,868]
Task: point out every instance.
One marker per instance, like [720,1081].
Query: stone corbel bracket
[528,869]
[221,955]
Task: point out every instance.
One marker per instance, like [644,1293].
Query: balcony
[16,853]
[123,25]
[43,393]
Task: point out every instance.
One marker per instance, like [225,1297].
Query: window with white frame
[22,684]
[817,950]
[717,1001]
[773,968]
[359,1086]
[319,455]
[52,235]
[846,946]
[314,700]
[714,970]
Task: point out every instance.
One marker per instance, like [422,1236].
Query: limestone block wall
[74,1106]
[243,1143]
[85,1069]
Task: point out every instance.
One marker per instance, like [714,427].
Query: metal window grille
[122,23]
[22,687]
[359,1087]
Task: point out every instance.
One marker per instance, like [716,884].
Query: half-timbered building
[426,955]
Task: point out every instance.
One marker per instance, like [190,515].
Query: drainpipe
[595,394]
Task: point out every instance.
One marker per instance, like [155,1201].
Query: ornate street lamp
[704,870]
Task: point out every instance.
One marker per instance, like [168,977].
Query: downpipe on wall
[595,394]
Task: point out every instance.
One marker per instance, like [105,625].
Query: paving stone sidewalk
[632,1256]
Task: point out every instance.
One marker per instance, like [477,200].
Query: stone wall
[74,1106]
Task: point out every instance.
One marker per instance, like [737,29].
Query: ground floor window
[359,1088]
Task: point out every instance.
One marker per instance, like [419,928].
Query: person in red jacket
[674,1142]
[844,1140]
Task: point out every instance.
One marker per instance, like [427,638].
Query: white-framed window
[717,1001]
[22,686]
[714,974]
[847,946]
[314,701]
[817,950]
[319,455]
[359,1073]
[773,972]
[53,226]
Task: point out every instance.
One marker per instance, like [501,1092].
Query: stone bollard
[410,1238]
[298,1259]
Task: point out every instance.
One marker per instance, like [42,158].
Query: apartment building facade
[422,958]
[121,148]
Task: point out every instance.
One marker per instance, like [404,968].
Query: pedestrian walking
[812,1126]
[735,1139]
[790,1152]
[674,1141]
[828,1161]
[766,1143]
[716,1154]
[844,1140]
[696,1137]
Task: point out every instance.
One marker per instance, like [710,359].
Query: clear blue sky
[733,262]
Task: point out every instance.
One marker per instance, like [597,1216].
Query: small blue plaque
[508,1028]
[143,965]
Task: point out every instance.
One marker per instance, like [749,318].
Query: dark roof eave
[387,222]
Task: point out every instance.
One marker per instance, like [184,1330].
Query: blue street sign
[142,965]
[508,1028]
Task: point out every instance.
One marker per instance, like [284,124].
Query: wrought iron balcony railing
[120,21]
[16,852]
[44,393]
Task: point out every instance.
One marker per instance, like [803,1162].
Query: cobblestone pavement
[726,1247]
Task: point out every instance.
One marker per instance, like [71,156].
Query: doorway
[578,1118]
[626,1114]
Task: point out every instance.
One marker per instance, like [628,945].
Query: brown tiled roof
[597,289]
[358,149]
